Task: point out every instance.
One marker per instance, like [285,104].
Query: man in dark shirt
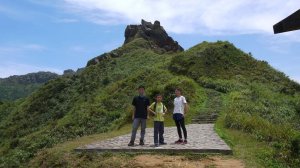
[140,115]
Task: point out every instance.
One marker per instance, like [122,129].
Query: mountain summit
[154,37]
[152,32]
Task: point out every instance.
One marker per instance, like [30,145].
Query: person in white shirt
[180,110]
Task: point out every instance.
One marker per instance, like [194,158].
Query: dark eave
[290,23]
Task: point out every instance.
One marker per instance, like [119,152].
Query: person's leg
[161,132]
[156,131]
[178,129]
[182,124]
[143,129]
[135,126]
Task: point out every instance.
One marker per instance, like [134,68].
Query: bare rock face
[152,32]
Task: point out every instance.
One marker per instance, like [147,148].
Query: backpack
[154,109]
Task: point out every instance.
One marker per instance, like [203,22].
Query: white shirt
[179,103]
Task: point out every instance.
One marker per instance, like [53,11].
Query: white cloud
[78,48]
[35,47]
[66,20]
[9,50]
[10,68]
[190,16]
[9,54]
[19,13]
[8,11]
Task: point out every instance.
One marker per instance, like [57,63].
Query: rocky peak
[152,32]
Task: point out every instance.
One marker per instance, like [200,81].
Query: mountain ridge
[20,86]
[98,99]
[32,77]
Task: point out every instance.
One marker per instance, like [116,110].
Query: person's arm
[148,116]
[186,107]
[150,109]
[165,109]
[133,112]
[134,108]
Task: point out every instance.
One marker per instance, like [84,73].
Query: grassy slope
[95,101]
[98,100]
[245,147]
[258,100]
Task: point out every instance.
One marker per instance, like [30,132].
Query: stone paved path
[201,139]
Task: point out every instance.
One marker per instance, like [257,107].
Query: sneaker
[179,141]
[156,145]
[184,142]
[142,143]
[131,143]
[163,143]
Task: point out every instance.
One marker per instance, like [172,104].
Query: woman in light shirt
[180,110]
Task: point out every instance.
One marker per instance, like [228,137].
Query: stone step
[202,118]
[160,150]
[206,118]
[203,121]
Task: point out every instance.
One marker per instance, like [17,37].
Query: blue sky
[54,35]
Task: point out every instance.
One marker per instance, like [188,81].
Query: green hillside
[20,86]
[252,98]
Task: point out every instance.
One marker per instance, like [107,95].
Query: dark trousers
[158,132]
[180,124]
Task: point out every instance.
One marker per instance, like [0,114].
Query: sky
[55,35]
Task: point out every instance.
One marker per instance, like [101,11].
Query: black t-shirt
[140,103]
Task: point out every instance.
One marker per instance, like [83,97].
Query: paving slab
[201,139]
